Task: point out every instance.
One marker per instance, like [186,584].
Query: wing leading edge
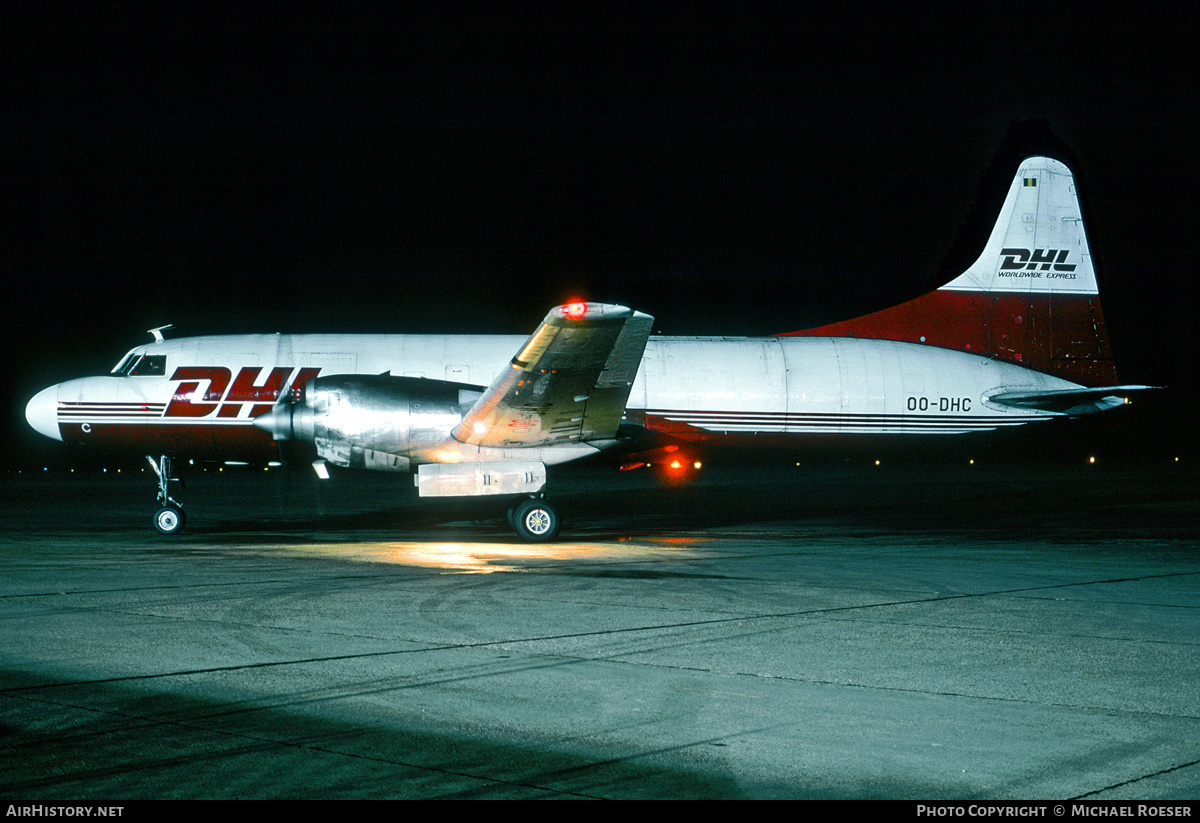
[568,384]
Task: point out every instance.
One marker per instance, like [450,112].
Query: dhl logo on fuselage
[226,395]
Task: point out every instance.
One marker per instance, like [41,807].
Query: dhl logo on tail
[1018,259]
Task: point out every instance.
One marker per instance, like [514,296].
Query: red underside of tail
[1060,334]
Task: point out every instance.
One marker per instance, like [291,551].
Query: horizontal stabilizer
[1069,401]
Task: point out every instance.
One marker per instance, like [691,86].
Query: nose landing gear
[169,519]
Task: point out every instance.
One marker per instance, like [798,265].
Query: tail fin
[1030,298]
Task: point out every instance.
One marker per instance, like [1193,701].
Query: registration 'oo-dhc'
[1017,338]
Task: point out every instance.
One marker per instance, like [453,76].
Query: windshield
[126,363]
[137,364]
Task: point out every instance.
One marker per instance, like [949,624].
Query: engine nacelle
[374,422]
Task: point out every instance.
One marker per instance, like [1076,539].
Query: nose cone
[42,413]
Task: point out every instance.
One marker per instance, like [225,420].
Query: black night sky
[728,174]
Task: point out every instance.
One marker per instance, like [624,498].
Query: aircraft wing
[1069,401]
[568,384]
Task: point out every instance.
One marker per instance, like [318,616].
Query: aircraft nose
[42,413]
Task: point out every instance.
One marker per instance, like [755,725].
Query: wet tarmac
[846,631]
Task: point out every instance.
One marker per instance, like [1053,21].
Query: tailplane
[1030,298]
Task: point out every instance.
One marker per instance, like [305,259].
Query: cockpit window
[150,364]
[139,365]
[126,364]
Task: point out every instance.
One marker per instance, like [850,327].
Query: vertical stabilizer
[1038,244]
[1030,298]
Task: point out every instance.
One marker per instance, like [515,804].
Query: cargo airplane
[1016,339]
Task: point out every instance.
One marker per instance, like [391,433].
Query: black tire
[169,520]
[536,520]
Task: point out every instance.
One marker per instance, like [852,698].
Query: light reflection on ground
[486,558]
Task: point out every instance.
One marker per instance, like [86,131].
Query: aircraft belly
[198,440]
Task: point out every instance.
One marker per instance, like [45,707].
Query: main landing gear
[169,519]
[534,519]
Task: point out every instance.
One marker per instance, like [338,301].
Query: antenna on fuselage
[158,336]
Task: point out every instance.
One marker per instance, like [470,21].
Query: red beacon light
[575,310]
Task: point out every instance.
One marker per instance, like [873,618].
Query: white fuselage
[205,391]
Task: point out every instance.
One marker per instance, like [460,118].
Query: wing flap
[568,384]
